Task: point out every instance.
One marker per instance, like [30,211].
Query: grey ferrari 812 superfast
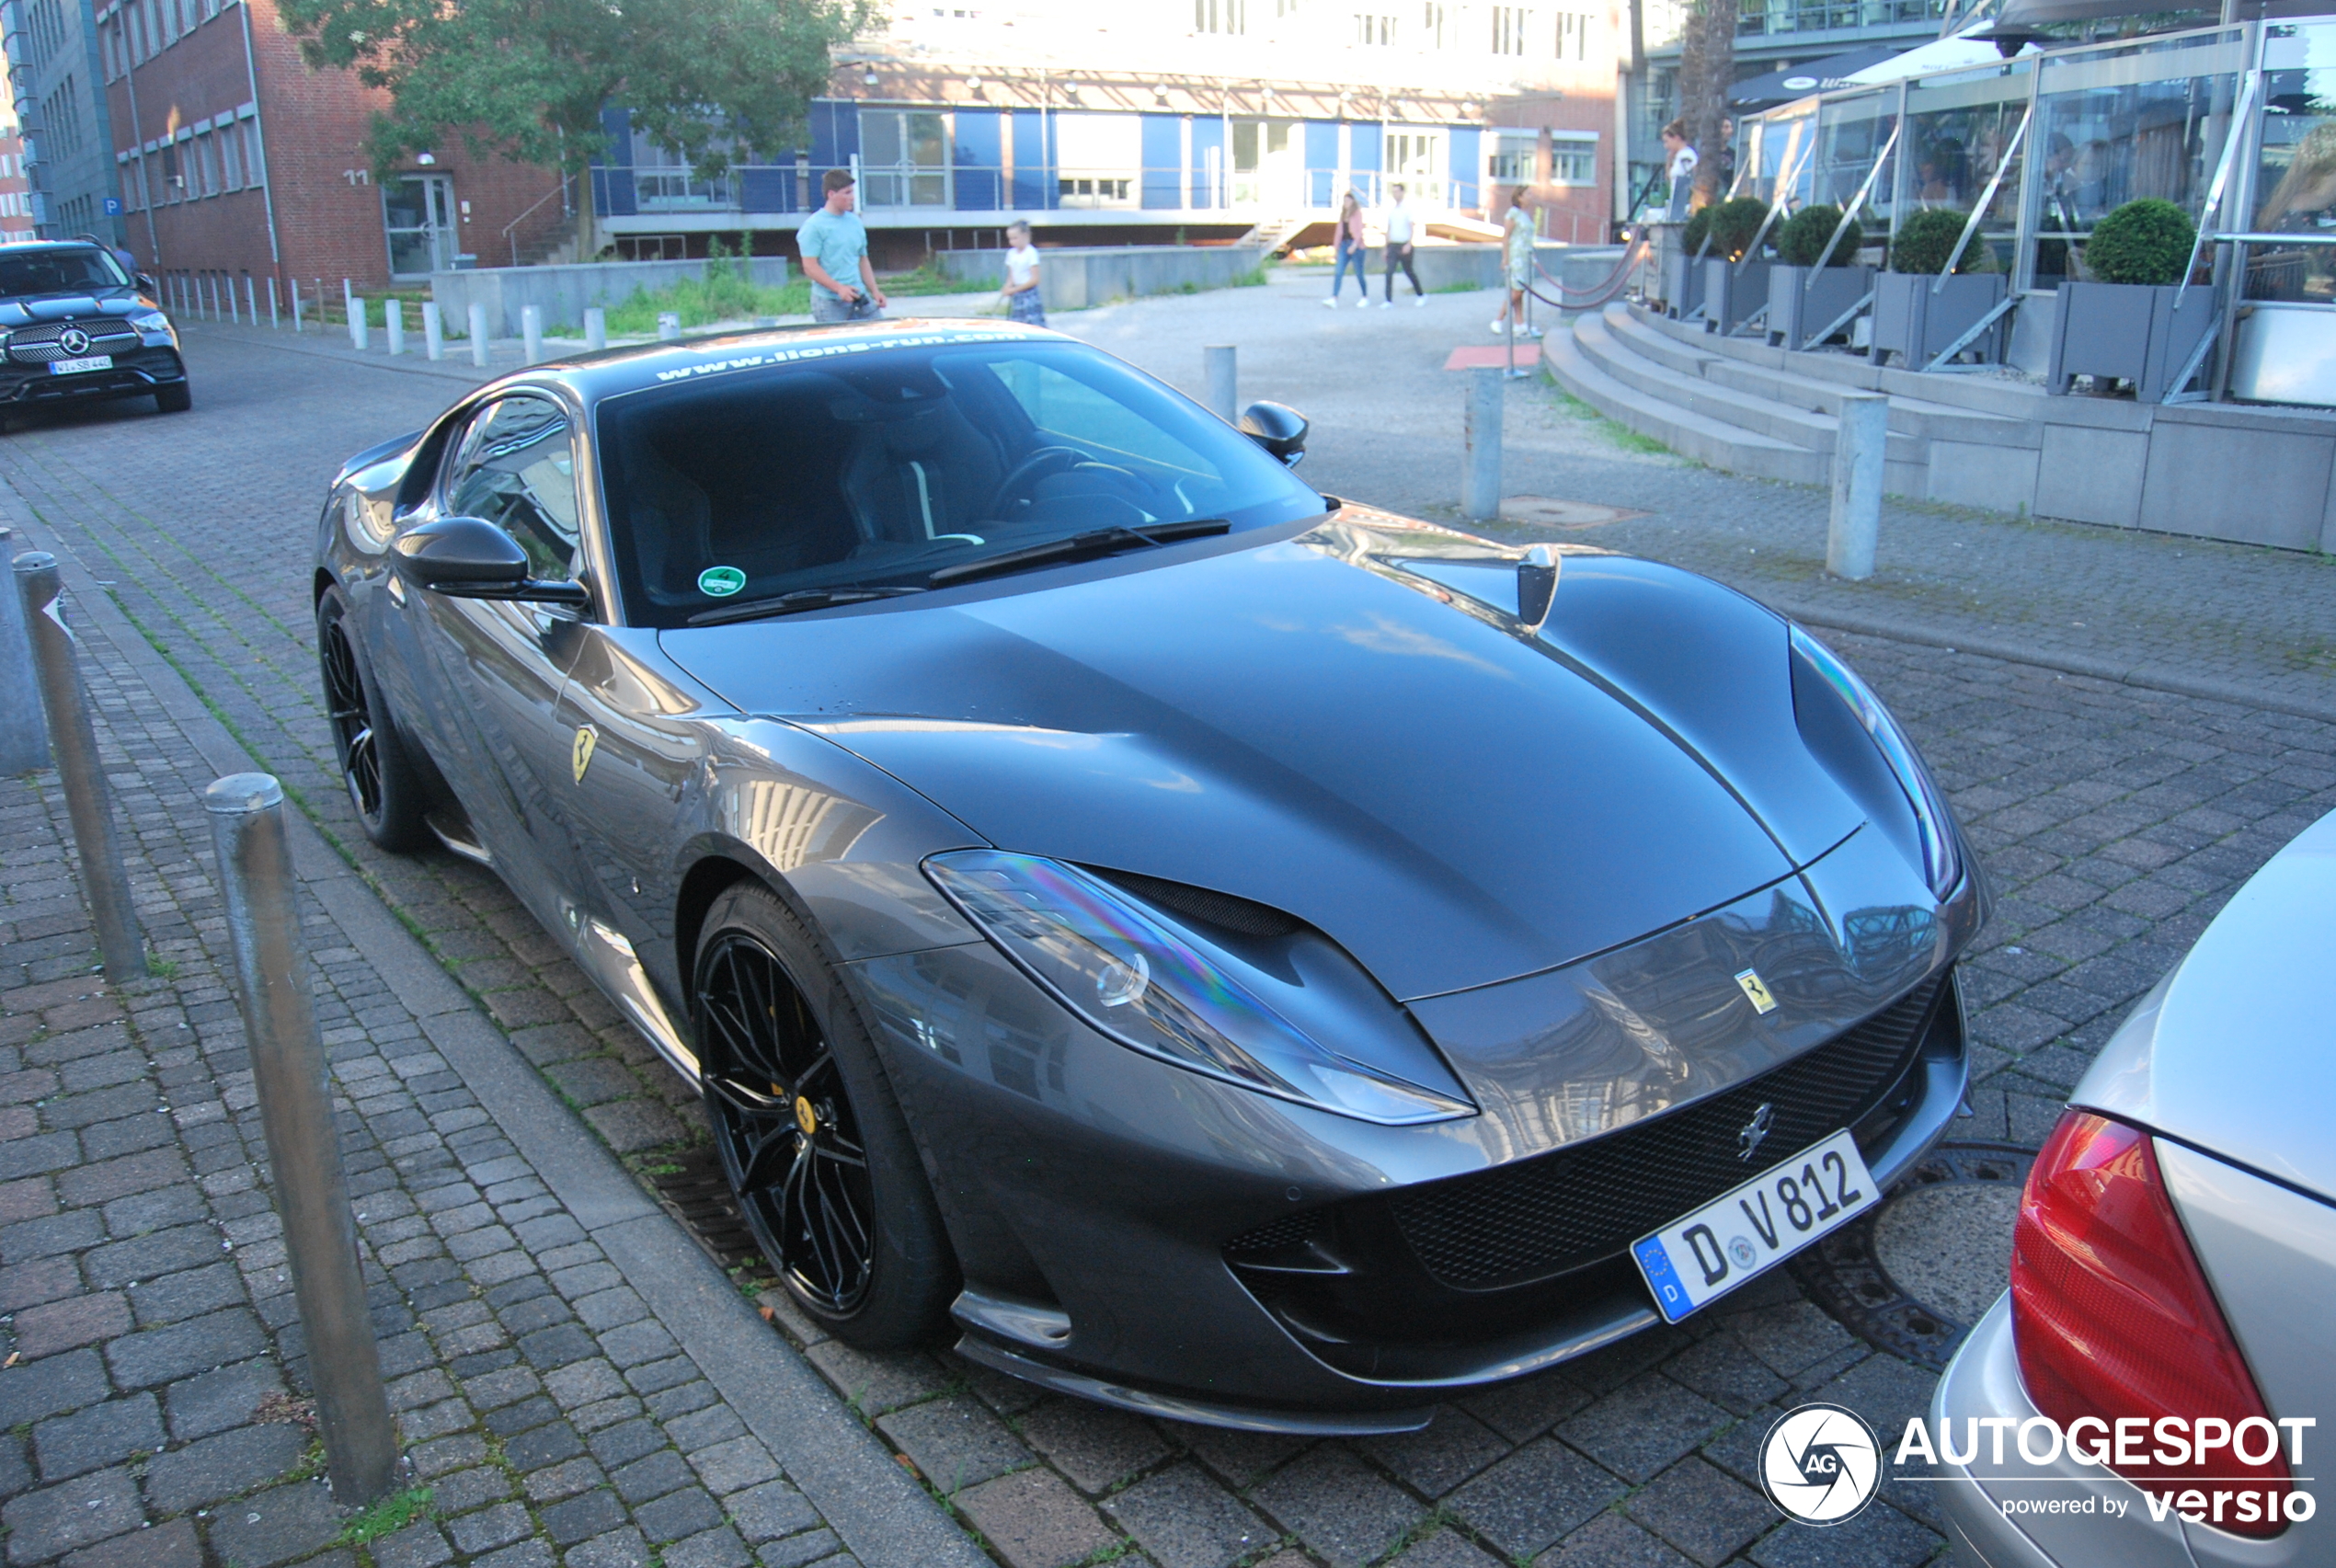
[1213,948]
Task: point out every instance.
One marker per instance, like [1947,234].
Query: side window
[517,469]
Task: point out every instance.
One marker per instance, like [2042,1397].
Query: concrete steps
[1707,440]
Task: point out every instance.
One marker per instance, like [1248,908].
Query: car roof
[14,246]
[611,372]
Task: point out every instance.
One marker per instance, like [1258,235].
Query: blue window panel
[976,159]
[1207,136]
[613,176]
[768,188]
[1163,155]
[1322,162]
[835,134]
[1034,174]
[1365,140]
[1466,142]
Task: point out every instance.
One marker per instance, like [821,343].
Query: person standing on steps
[1350,251]
[1023,302]
[833,244]
[1518,234]
[1398,251]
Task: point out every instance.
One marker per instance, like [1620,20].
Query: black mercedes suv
[74,325]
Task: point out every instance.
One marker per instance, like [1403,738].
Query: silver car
[2175,1257]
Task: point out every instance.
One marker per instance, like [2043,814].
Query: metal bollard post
[1861,441]
[595,328]
[24,735]
[394,324]
[478,334]
[303,1147]
[251,297]
[1481,479]
[433,331]
[297,326]
[235,310]
[1224,381]
[275,316]
[361,331]
[89,796]
[530,332]
[668,325]
[347,296]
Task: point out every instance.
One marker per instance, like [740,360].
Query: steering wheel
[1038,465]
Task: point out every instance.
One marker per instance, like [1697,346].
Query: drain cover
[1562,514]
[692,1189]
[1915,1275]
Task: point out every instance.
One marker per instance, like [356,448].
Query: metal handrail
[560,190]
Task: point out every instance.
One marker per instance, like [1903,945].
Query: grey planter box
[1730,294]
[2131,331]
[1682,283]
[1807,300]
[1917,324]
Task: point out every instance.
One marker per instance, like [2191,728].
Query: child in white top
[1023,302]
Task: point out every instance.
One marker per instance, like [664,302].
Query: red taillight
[2113,1318]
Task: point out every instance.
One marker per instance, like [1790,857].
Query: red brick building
[240,163]
[16,188]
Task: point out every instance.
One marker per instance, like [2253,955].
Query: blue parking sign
[113,206]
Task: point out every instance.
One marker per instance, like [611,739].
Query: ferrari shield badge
[1756,990]
[581,757]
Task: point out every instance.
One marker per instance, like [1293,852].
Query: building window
[231,162]
[904,159]
[255,166]
[1374,31]
[1573,160]
[174,178]
[1573,35]
[1432,24]
[1221,15]
[1510,157]
[1508,29]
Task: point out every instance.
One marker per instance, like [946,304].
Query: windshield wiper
[802,598]
[1095,542]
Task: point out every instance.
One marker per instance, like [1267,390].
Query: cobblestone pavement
[2113,820]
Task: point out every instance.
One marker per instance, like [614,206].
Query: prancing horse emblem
[1756,991]
[581,758]
[74,342]
[1755,1132]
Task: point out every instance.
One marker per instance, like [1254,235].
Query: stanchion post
[1481,478]
[478,334]
[303,1147]
[24,735]
[595,328]
[1861,441]
[530,332]
[89,796]
[1222,365]
[433,331]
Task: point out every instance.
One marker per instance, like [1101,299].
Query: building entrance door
[418,211]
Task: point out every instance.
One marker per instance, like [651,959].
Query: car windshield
[864,464]
[60,272]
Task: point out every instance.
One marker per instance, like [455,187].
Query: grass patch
[1458,289]
[389,1515]
[726,292]
[1620,435]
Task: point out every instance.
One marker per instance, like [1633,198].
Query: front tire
[174,399]
[810,1135]
[382,782]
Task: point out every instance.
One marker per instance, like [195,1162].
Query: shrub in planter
[1729,225]
[1803,238]
[2147,241]
[1926,239]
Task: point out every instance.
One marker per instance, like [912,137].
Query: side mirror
[146,282]
[1277,428]
[1537,585]
[469,557]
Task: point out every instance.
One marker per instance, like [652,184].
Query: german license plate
[1708,1253]
[70,367]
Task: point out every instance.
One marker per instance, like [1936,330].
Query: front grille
[1538,1217]
[38,345]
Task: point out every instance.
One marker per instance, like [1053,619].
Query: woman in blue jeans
[1350,251]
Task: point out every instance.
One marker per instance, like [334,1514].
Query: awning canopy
[1944,55]
[1824,75]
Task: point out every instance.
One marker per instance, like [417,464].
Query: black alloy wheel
[784,1121]
[382,782]
[810,1132]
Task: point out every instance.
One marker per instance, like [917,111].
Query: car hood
[2235,1050]
[22,311]
[1307,723]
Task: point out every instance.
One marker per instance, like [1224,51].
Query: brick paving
[2113,820]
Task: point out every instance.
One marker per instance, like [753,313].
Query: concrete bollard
[360,328]
[433,331]
[235,310]
[347,296]
[478,334]
[275,316]
[595,328]
[311,1186]
[1861,441]
[668,325]
[1480,476]
[1222,372]
[530,332]
[251,297]
[88,794]
[24,734]
[297,325]
[394,324]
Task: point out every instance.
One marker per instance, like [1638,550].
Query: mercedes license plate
[1711,1251]
[69,367]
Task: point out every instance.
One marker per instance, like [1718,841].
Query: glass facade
[2295,173]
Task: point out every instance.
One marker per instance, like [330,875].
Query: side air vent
[1237,915]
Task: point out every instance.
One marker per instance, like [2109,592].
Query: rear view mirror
[1277,428]
[469,557]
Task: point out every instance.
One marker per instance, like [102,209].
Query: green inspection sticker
[720,582]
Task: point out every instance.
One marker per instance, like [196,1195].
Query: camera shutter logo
[1821,1464]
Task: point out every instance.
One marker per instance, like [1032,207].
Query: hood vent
[1241,916]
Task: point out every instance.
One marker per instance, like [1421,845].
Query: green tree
[714,80]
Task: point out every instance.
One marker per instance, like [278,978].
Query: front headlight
[151,321]
[1155,988]
[1941,865]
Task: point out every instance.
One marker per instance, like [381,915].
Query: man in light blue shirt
[833,245]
